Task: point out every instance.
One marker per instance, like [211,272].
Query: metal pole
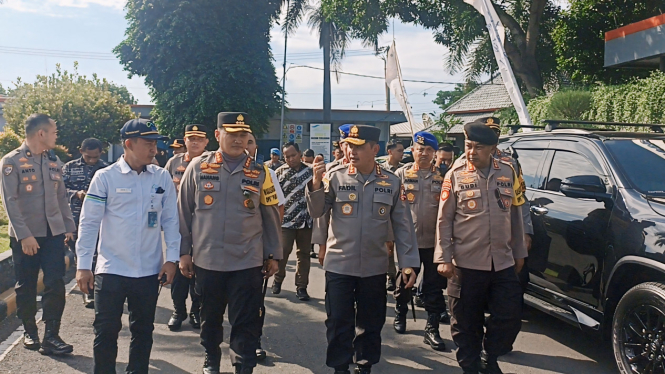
[385,72]
[281,122]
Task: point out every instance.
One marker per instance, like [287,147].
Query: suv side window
[529,160]
[567,164]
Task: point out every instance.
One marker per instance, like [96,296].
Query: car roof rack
[512,129]
[552,124]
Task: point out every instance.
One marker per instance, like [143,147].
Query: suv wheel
[638,330]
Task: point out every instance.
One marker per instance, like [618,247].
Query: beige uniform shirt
[228,219]
[176,166]
[362,214]
[480,222]
[34,195]
[423,190]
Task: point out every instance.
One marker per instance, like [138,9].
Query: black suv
[598,255]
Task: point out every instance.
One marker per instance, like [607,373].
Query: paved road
[294,337]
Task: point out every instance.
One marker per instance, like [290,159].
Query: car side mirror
[584,186]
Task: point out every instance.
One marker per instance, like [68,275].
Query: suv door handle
[539,210]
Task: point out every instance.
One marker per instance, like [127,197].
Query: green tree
[459,27]
[332,40]
[444,99]
[82,107]
[3,91]
[579,37]
[203,57]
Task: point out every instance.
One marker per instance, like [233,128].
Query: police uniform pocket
[346,204]
[250,199]
[381,205]
[470,201]
[504,197]
[206,200]
[411,191]
[455,285]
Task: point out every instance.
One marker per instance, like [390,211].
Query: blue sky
[96,26]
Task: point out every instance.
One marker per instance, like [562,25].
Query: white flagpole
[495,28]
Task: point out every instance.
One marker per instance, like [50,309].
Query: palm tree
[332,39]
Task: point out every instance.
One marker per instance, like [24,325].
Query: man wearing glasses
[480,247]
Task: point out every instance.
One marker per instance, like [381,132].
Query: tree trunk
[326,73]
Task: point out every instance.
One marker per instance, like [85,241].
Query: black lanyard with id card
[152,213]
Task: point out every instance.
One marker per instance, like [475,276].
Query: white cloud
[58,8]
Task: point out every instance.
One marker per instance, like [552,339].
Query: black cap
[492,122]
[195,130]
[177,143]
[233,121]
[141,128]
[481,133]
[360,134]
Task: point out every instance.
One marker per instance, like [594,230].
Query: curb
[8,298]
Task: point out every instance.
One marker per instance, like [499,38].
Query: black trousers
[241,291]
[470,292]
[431,289]
[141,294]
[50,258]
[180,287]
[356,313]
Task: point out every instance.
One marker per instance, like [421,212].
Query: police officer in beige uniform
[195,144]
[178,147]
[422,185]
[365,204]
[40,220]
[395,152]
[230,226]
[480,247]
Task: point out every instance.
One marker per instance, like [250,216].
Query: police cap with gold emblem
[198,131]
[178,143]
[481,133]
[360,134]
[426,139]
[233,122]
[141,128]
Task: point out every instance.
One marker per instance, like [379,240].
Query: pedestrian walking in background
[196,142]
[275,159]
[40,222]
[128,204]
[296,224]
[480,247]
[77,175]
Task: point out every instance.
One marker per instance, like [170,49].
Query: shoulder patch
[8,168]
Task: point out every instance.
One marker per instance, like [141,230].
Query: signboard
[319,139]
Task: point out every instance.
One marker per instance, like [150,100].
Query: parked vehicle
[598,255]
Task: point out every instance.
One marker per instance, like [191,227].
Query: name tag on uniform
[152,219]
[123,190]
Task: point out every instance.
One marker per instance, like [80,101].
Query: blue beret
[275,151]
[344,131]
[426,138]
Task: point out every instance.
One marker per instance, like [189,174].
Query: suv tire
[638,330]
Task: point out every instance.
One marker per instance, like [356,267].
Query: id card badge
[152,219]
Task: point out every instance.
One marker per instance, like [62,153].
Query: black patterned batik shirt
[293,183]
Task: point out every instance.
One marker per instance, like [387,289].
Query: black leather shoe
[313,254]
[211,365]
[302,295]
[490,366]
[175,322]
[276,287]
[260,352]
[390,285]
[400,319]
[363,370]
[432,336]
[195,320]
[88,301]
[419,302]
[444,317]
[31,336]
[243,370]
[52,344]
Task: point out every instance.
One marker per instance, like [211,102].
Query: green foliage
[81,107]
[3,91]
[579,36]
[203,57]
[570,104]
[444,99]
[640,101]
[538,108]
[9,141]
[443,124]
